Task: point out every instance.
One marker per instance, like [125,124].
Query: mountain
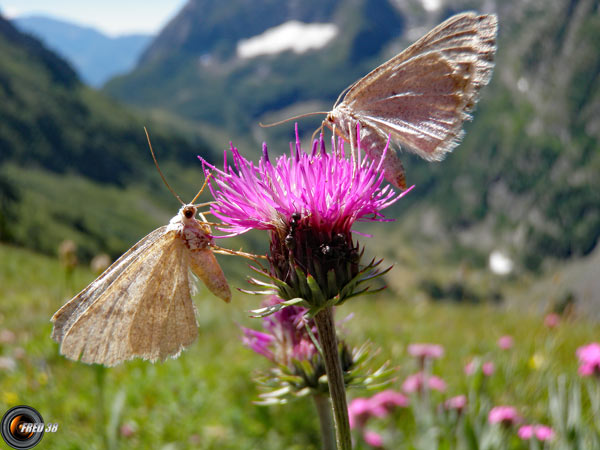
[193,69]
[70,158]
[96,56]
[525,177]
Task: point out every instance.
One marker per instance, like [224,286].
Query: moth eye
[189,213]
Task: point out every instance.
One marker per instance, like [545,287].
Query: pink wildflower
[424,352]
[589,359]
[417,381]
[432,351]
[331,191]
[457,403]
[505,415]
[552,320]
[127,430]
[285,338]
[505,342]
[540,432]
[487,368]
[389,399]
[373,439]
[360,411]
[308,202]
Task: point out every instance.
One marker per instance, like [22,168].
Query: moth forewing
[65,317]
[422,96]
[165,321]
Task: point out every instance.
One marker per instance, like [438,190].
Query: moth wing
[205,265]
[108,331]
[63,319]
[461,39]
[427,119]
[423,95]
[165,321]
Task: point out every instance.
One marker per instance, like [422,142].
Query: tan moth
[422,96]
[141,306]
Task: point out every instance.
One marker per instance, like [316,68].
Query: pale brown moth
[422,96]
[141,306]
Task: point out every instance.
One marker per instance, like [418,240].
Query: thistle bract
[299,369]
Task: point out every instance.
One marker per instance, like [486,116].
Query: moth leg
[204,264]
[226,251]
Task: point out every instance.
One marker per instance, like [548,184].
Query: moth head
[189,211]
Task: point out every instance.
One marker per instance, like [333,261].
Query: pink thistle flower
[457,403]
[258,341]
[373,439]
[308,202]
[426,351]
[285,338]
[552,320]
[418,381]
[329,190]
[540,432]
[505,415]
[505,342]
[589,359]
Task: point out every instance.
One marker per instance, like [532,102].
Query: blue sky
[113,17]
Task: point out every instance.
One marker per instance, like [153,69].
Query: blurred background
[501,233]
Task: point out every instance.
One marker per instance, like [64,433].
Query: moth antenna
[201,205]
[160,171]
[300,116]
[226,251]
[212,224]
[343,93]
[202,189]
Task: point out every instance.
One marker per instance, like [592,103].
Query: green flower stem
[324,411]
[335,377]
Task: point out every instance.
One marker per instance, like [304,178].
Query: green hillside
[70,157]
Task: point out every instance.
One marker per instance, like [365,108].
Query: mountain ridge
[96,56]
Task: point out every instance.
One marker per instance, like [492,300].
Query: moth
[141,306]
[421,97]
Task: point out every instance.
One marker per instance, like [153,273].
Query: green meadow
[205,398]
